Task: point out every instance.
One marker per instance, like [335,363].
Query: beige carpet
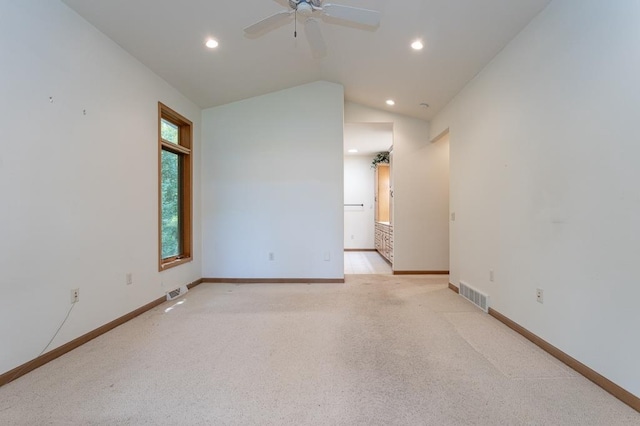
[378,350]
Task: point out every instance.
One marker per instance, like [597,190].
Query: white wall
[544,181]
[80,192]
[421,191]
[359,189]
[273,182]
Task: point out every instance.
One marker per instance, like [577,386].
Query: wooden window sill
[175,262]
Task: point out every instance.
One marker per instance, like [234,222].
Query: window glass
[170,194]
[174,188]
[169,131]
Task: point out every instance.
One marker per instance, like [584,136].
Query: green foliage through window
[168,131]
[175,202]
[170,204]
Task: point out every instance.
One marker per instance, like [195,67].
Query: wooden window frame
[183,150]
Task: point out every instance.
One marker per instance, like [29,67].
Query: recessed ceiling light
[390,102]
[211,43]
[353,151]
[417,45]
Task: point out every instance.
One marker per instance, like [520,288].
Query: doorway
[362,142]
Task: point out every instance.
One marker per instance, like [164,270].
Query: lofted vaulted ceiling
[460,38]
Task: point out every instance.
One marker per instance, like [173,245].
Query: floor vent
[174,294]
[479,299]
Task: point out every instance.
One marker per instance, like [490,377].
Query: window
[174,162]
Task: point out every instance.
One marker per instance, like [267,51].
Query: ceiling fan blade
[356,15]
[267,23]
[315,39]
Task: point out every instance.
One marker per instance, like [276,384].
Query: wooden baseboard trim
[195,283]
[29,366]
[420,272]
[360,249]
[454,288]
[606,384]
[273,280]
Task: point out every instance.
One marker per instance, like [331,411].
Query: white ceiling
[367,138]
[460,37]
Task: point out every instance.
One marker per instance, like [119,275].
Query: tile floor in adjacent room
[365,262]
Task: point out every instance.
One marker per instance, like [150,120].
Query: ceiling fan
[309,10]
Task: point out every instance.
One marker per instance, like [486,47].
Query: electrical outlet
[271,256]
[327,256]
[453,216]
[75,295]
[539,295]
[129,278]
[491,275]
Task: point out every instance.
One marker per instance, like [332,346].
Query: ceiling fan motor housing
[295,4]
[309,8]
